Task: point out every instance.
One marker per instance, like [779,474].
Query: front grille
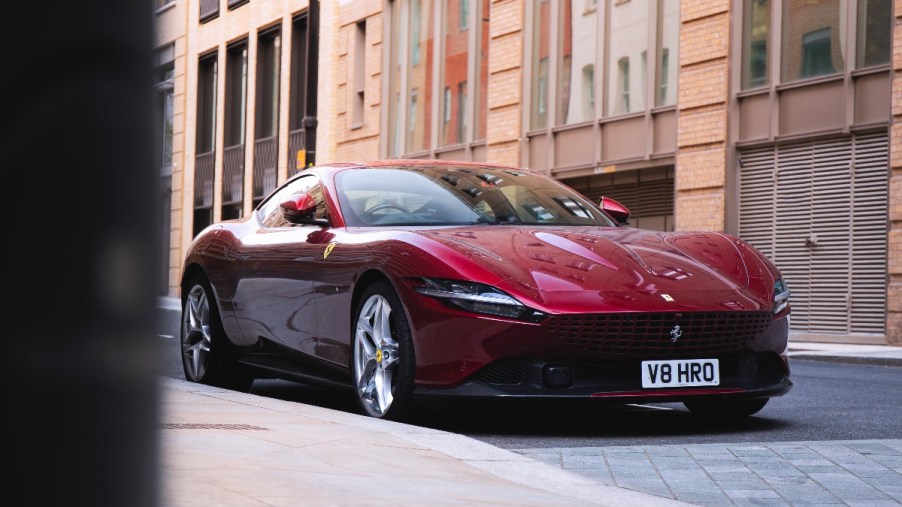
[648,335]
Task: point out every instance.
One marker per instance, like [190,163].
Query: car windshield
[424,195]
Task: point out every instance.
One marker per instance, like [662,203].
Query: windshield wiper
[485,220]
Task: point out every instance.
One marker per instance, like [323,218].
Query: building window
[206,105]
[482,70]
[205,142]
[455,68]
[588,91]
[394,78]
[428,110]
[463,14]
[627,41]
[419,77]
[301,99]
[875,24]
[269,50]
[812,35]
[165,89]
[236,94]
[816,59]
[359,99]
[412,115]
[668,51]
[233,142]
[578,29]
[664,78]
[755,36]
[543,91]
[159,4]
[266,124]
[462,110]
[416,21]
[209,9]
[541,32]
[623,68]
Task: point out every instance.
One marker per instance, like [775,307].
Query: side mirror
[300,209]
[618,212]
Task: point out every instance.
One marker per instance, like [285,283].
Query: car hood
[609,269]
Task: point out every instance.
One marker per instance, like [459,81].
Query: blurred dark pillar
[80,246]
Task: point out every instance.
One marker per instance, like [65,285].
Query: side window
[271,213]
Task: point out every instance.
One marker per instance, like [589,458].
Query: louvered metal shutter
[643,196]
[818,210]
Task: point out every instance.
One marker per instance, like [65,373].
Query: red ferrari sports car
[407,278]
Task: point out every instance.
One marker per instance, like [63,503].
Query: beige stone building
[777,120]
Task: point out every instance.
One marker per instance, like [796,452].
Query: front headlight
[781,296]
[478,298]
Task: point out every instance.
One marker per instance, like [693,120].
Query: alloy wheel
[196,333]
[375,356]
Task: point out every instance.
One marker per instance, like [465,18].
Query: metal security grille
[818,210]
[198,426]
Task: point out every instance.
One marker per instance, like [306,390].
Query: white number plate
[680,373]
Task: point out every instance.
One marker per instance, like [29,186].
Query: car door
[274,277]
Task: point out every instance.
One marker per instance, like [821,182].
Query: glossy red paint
[289,291]
[299,205]
[618,212]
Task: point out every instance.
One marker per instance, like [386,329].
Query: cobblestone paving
[858,472]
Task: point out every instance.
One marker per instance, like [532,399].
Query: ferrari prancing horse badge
[329,249]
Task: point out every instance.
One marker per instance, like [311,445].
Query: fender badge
[667,298]
[329,249]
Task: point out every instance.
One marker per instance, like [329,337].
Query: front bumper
[755,375]
[454,347]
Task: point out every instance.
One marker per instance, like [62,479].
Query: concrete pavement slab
[830,472]
[221,447]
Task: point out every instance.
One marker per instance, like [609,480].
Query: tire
[725,409]
[382,357]
[205,358]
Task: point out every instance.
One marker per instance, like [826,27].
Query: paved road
[835,439]
[830,401]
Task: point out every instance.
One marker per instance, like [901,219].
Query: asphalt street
[834,439]
[830,401]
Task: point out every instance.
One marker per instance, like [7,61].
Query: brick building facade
[777,120]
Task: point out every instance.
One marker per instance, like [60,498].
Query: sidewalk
[885,355]
[227,448]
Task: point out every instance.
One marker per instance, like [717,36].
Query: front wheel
[383,358]
[725,409]
[204,358]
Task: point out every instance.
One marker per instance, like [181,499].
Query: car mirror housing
[617,211]
[300,209]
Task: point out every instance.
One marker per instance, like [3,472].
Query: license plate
[680,373]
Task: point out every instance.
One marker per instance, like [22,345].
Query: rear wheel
[725,409]
[383,359]
[204,342]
